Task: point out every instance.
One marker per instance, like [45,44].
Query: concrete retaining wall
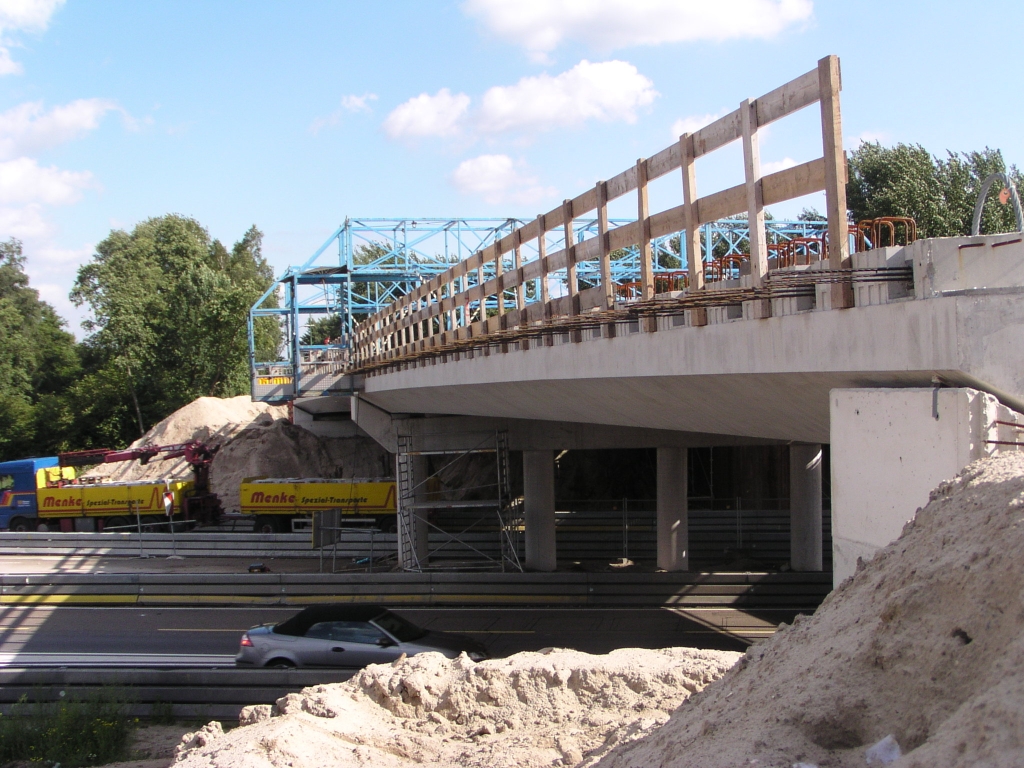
[890,448]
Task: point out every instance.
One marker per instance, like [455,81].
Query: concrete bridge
[907,359]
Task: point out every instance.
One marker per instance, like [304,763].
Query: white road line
[204,660]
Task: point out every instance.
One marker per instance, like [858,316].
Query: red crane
[199,505]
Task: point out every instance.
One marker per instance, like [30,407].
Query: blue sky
[292,116]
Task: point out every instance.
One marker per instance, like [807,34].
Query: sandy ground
[552,708]
[917,660]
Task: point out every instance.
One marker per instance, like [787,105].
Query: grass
[70,731]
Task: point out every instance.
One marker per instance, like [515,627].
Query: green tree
[169,308]
[939,194]
[39,360]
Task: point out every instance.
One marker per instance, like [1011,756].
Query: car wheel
[280,664]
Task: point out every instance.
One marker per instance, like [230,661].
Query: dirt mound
[212,420]
[925,643]
[254,439]
[532,709]
[285,450]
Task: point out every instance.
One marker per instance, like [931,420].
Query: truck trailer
[275,502]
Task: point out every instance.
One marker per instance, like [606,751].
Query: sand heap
[925,643]
[285,450]
[212,420]
[555,708]
[254,439]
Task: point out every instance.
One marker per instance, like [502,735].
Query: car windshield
[400,629]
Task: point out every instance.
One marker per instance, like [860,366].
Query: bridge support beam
[539,509]
[805,507]
[673,510]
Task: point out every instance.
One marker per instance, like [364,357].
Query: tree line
[168,307]
[167,323]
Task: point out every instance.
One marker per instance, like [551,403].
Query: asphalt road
[125,632]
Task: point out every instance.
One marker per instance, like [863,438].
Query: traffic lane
[208,630]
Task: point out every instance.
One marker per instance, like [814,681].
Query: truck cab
[19,481]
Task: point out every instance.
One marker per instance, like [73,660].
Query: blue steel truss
[367,263]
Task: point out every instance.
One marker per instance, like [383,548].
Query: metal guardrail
[747,590]
[200,694]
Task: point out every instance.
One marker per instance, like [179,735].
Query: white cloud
[609,90]
[540,26]
[22,15]
[694,123]
[23,222]
[26,128]
[774,166]
[24,181]
[426,115]
[349,103]
[497,179]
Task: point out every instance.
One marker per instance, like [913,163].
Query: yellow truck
[275,502]
[38,494]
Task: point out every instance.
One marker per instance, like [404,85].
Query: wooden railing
[453,307]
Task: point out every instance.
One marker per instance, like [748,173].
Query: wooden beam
[604,252]
[694,257]
[755,196]
[788,98]
[829,83]
[643,218]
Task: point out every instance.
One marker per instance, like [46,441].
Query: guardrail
[448,312]
[207,694]
[747,590]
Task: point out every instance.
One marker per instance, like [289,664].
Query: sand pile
[282,449]
[925,643]
[212,420]
[559,708]
[254,439]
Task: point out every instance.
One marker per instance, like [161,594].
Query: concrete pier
[805,542]
[539,509]
[673,523]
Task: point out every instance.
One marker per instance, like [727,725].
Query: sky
[293,115]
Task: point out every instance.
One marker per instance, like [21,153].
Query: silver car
[349,636]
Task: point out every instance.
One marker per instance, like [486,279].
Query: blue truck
[19,481]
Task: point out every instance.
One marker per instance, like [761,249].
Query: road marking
[174,629]
[492,631]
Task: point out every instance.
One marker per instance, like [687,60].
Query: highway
[140,636]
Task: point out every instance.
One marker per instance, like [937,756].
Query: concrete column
[673,523]
[539,509]
[805,507]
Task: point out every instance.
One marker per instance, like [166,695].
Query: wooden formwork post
[694,257]
[758,237]
[829,85]
[542,256]
[517,264]
[604,256]
[570,266]
[643,220]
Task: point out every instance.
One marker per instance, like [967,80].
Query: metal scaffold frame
[367,263]
[415,503]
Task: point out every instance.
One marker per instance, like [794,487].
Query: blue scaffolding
[367,263]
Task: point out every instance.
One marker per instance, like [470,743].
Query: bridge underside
[767,379]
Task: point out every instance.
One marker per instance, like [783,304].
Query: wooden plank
[584,203]
[603,250]
[694,260]
[718,205]
[542,259]
[788,98]
[667,222]
[800,180]
[724,130]
[755,200]
[621,184]
[644,220]
[627,234]
[517,263]
[570,257]
[829,84]
[665,161]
